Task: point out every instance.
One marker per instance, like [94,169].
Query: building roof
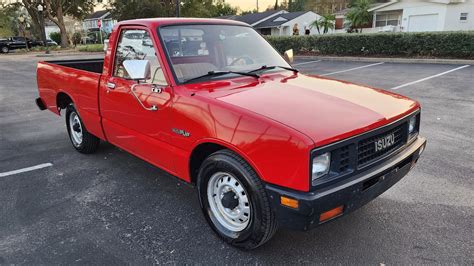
[382,5]
[101,14]
[255,17]
[280,19]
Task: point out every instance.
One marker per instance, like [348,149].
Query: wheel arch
[63,100]
[204,148]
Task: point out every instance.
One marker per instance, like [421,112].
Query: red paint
[273,122]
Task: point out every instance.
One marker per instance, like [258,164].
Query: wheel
[234,201]
[5,49]
[81,139]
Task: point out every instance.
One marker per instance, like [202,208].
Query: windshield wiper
[220,73]
[265,67]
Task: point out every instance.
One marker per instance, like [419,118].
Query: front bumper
[351,193]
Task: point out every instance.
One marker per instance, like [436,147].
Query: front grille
[366,152]
[354,155]
[344,159]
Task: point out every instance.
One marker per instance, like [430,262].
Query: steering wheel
[248,60]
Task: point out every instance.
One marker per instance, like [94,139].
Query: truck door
[139,120]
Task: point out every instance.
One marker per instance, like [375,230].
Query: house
[279,22]
[417,16]
[91,22]
[432,15]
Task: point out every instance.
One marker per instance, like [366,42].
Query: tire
[81,139]
[225,168]
[4,49]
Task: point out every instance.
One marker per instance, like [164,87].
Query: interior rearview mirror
[138,69]
[288,55]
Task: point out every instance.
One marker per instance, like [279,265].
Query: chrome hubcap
[75,129]
[228,201]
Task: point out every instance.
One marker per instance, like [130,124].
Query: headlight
[412,126]
[321,165]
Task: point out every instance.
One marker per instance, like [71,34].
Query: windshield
[195,50]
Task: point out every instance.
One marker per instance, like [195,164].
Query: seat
[192,70]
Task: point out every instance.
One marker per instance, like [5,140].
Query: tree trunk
[62,27]
[58,20]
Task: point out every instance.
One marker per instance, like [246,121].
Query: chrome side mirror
[288,55]
[138,69]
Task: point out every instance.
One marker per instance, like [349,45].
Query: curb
[390,60]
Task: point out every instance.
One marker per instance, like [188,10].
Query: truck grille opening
[356,154]
[344,159]
[366,151]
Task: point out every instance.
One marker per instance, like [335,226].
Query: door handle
[152,108]
[110,85]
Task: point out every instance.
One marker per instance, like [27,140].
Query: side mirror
[288,55]
[138,69]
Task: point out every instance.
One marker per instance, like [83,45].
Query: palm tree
[324,23]
[327,22]
[359,15]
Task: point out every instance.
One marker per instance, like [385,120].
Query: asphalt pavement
[113,208]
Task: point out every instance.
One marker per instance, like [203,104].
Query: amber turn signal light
[331,214]
[288,202]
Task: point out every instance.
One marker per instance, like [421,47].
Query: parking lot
[113,208]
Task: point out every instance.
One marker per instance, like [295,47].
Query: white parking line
[427,78]
[351,69]
[304,63]
[27,169]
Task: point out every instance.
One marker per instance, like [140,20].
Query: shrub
[425,44]
[55,36]
[91,48]
[76,38]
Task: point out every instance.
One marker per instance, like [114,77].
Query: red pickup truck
[211,102]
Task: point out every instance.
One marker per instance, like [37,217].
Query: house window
[387,19]
[266,31]
[463,17]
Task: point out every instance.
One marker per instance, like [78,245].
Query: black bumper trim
[40,104]
[352,192]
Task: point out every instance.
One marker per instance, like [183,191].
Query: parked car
[265,145]
[8,44]
[13,43]
[50,42]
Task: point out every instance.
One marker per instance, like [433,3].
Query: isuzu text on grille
[385,142]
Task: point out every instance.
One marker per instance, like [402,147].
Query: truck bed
[91,65]
[79,80]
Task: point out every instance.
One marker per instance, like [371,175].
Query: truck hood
[325,110]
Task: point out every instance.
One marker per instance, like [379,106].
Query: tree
[206,8]
[248,12]
[296,5]
[327,22]
[223,9]
[56,10]
[127,9]
[324,23]
[359,14]
[8,14]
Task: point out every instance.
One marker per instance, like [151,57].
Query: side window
[137,45]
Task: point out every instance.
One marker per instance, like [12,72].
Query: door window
[137,44]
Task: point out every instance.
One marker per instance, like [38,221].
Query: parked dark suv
[13,43]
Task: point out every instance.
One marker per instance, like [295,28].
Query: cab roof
[156,22]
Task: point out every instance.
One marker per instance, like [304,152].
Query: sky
[251,4]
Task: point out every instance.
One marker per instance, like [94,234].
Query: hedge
[90,48]
[426,44]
